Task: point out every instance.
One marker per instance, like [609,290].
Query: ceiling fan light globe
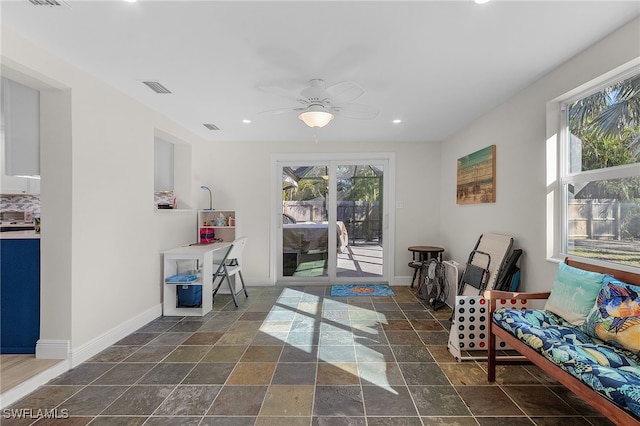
[316,118]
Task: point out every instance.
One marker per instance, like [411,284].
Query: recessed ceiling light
[397,121]
[246,121]
[482,1]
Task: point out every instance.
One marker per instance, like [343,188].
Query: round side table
[422,254]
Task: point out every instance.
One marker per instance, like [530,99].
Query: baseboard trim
[25,388]
[100,343]
[402,280]
[257,284]
[399,281]
[52,349]
[59,349]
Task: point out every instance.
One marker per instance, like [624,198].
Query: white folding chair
[229,266]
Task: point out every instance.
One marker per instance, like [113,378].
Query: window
[600,173]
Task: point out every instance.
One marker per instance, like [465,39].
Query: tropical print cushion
[615,318]
[611,371]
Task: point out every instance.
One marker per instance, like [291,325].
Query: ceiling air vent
[49,3]
[211,126]
[156,87]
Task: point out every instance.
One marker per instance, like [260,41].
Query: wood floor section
[15,369]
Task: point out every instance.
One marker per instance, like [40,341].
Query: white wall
[55,244]
[101,238]
[518,128]
[241,182]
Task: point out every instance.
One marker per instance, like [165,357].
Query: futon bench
[604,374]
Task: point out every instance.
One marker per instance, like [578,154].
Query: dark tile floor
[295,356]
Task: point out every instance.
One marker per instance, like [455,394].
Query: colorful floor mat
[375,290]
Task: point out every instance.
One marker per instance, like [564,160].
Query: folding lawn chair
[485,262]
[509,276]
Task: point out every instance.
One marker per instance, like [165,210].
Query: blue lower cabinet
[19,295]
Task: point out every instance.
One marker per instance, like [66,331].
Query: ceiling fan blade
[342,92]
[283,110]
[278,90]
[359,111]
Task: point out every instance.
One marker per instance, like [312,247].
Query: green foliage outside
[608,125]
[608,122]
[308,189]
[360,184]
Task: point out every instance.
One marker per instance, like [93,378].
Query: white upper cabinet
[14,185]
[163,179]
[21,129]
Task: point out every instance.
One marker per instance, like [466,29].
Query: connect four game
[470,327]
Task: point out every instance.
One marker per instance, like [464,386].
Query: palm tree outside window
[601,179]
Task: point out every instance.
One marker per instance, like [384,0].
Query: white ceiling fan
[320,103]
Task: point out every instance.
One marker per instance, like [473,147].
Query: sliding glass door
[333,221]
[359,215]
[305,220]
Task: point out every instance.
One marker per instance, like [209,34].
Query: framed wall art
[477,177]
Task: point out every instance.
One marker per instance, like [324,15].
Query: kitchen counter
[19,235]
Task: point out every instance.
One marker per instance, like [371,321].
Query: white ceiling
[437,65]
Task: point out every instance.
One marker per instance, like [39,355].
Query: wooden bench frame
[610,410]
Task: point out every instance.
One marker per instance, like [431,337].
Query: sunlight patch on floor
[322,323]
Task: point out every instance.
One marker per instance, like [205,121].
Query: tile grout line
[235,318]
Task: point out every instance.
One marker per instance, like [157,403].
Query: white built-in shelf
[182,259]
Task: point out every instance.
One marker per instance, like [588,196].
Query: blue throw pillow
[574,293]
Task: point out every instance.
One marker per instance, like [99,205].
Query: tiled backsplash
[20,202]
[163,197]
[31,202]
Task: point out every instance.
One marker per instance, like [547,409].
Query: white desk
[180,259]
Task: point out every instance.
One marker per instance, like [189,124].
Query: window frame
[566,178]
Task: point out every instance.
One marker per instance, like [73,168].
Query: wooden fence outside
[594,219]
[362,218]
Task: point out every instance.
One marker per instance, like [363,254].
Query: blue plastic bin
[189,295]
